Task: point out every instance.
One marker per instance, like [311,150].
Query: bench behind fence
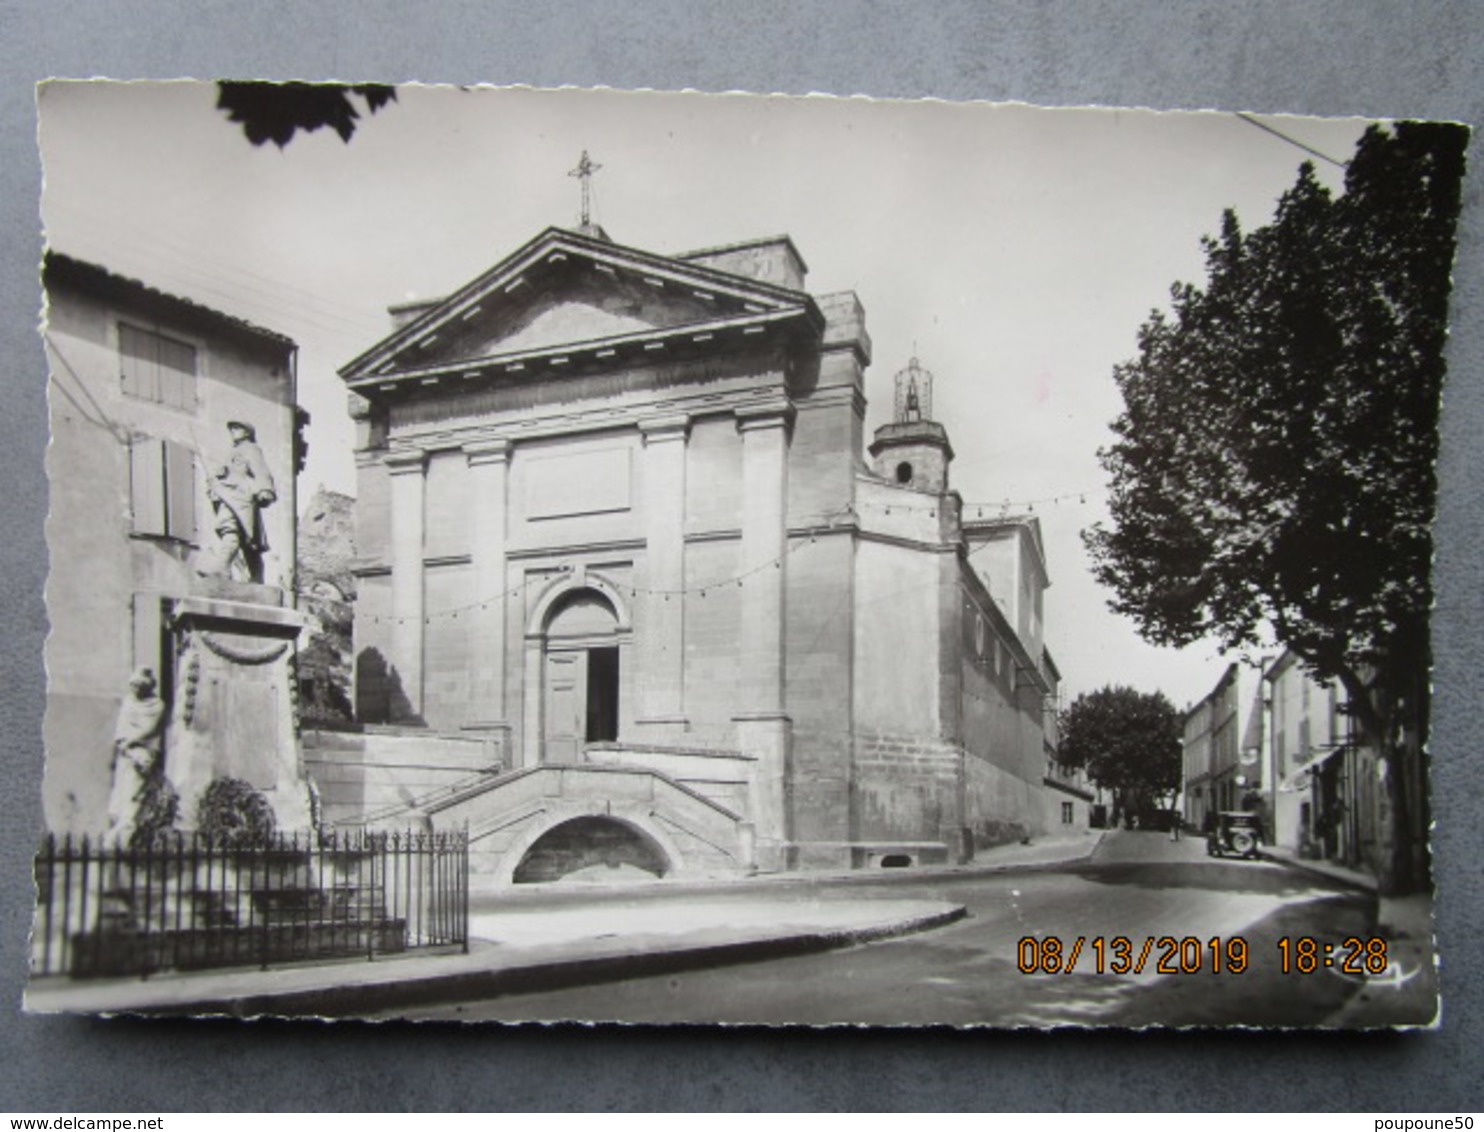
[187,901]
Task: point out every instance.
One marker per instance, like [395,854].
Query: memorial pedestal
[233,699]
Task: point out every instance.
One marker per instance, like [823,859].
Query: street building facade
[633,592]
[1327,798]
[1223,755]
[1070,795]
[171,534]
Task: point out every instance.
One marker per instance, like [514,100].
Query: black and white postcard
[542,555]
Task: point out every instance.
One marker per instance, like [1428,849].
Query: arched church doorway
[580,674]
[591,848]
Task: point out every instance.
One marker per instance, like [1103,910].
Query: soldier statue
[239,490]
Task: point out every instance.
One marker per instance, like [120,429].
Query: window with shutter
[153,367]
[147,485]
[180,492]
[162,488]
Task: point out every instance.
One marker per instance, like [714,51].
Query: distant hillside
[327,592]
[327,543]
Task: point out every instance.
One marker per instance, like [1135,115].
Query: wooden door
[566,706]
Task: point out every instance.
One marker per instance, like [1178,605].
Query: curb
[1316,870]
[357,1000]
[757,883]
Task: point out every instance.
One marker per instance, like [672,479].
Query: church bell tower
[913,450]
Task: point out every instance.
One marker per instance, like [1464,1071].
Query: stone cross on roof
[584,173]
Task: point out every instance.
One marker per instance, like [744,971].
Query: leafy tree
[1127,741]
[277,111]
[1274,467]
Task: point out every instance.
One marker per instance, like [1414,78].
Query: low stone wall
[721,776]
[386,775]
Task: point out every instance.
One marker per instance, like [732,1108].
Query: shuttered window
[156,368]
[162,488]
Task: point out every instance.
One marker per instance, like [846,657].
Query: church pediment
[566,307]
[565,294]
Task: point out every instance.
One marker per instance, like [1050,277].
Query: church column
[662,654]
[489,465]
[763,730]
[407,470]
[764,432]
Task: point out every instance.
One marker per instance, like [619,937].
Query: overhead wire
[156,240]
[281,301]
[1252,121]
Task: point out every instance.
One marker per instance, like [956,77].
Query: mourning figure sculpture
[136,751]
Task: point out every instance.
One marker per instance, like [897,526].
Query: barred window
[156,368]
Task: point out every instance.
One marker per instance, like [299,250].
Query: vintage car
[1235,831]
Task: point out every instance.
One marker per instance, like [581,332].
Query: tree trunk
[1402,857]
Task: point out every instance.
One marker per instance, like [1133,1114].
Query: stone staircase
[673,828]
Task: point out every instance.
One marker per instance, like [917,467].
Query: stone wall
[819,682]
[1002,730]
[713,621]
[907,787]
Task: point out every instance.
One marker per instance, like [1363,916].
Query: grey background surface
[1342,57]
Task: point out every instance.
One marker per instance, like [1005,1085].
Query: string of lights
[739,579]
[1048,703]
[1001,508]
[628,589]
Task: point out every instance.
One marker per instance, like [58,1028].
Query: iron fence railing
[190,901]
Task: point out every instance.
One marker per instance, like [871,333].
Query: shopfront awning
[1298,778]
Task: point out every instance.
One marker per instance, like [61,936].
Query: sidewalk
[1408,991]
[511,951]
[540,937]
[1353,877]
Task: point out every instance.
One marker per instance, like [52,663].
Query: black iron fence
[188,901]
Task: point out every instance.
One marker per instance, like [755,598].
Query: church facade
[630,576]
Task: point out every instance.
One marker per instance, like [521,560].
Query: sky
[1014,250]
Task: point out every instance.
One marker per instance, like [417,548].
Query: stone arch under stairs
[508,815]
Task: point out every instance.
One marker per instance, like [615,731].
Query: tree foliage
[277,111]
[1275,460]
[1274,464]
[1127,741]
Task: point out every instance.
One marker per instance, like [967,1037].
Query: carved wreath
[263,655]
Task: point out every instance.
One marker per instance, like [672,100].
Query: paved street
[1137,885]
